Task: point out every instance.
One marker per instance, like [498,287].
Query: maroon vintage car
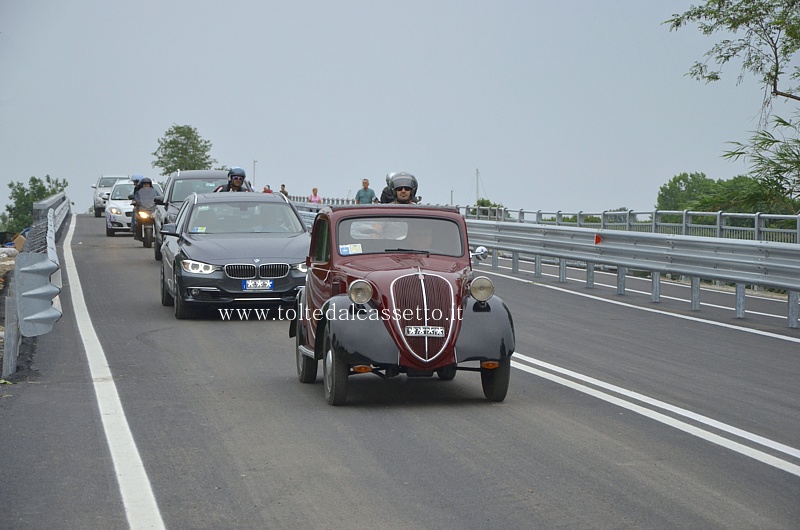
[390,290]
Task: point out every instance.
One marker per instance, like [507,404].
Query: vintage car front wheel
[447,373]
[335,373]
[495,381]
[306,366]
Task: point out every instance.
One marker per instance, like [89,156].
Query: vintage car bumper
[486,333]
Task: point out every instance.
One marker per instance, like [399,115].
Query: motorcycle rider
[387,195]
[136,179]
[404,186]
[143,198]
[236,177]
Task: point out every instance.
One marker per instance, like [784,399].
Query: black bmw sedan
[227,249]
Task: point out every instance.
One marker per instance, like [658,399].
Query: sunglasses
[403,188]
[238,178]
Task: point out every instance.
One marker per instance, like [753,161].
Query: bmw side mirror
[481,253]
[169,229]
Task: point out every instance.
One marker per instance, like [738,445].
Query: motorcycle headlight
[143,215]
[114,211]
[360,292]
[481,288]
[300,267]
[197,267]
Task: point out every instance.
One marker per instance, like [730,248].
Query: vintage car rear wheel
[495,382]
[447,373]
[166,298]
[335,373]
[306,366]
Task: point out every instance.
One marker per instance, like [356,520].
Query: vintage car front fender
[487,331]
[362,338]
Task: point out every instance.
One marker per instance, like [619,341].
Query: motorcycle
[144,213]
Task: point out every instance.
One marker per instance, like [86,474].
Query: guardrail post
[695,282]
[655,286]
[12,336]
[794,300]
[562,270]
[589,275]
[537,266]
[495,259]
[515,261]
[740,300]
[621,272]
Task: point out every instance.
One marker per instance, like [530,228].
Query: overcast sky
[559,104]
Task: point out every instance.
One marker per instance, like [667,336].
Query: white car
[119,208]
[101,191]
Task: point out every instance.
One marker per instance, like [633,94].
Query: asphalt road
[621,413]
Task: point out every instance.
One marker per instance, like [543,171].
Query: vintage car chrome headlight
[300,267]
[481,288]
[197,267]
[114,211]
[360,292]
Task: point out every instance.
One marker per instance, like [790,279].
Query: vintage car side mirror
[481,253]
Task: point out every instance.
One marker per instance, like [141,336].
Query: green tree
[19,214]
[774,163]
[768,37]
[683,190]
[182,148]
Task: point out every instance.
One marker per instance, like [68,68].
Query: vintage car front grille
[273,270]
[428,300]
[240,271]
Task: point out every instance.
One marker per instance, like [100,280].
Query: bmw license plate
[424,331]
[258,285]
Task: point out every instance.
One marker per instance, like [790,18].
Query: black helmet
[401,179]
[146,180]
[236,172]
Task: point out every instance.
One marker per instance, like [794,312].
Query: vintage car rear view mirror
[481,253]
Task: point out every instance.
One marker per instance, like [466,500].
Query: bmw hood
[220,249]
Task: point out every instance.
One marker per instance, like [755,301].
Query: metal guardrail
[32,303]
[742,262]
[748,226]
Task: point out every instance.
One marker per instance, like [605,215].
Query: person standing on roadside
[365,195]
[283,190]
[314,198]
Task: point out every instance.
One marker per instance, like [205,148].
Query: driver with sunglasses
[236,178]
[404,186]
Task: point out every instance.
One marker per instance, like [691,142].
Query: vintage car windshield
[244,217]
[375,235]
[184,187]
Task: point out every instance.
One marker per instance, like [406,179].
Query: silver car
[101,191]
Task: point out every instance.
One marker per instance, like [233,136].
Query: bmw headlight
[114,211]
[300,267]
[360,292]
[197,267]
[481,288]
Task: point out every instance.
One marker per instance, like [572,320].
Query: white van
[101,191]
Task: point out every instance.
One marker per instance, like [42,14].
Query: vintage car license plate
[424,331]
[258,285]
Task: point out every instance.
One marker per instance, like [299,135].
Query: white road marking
[140,504]
[667,420]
